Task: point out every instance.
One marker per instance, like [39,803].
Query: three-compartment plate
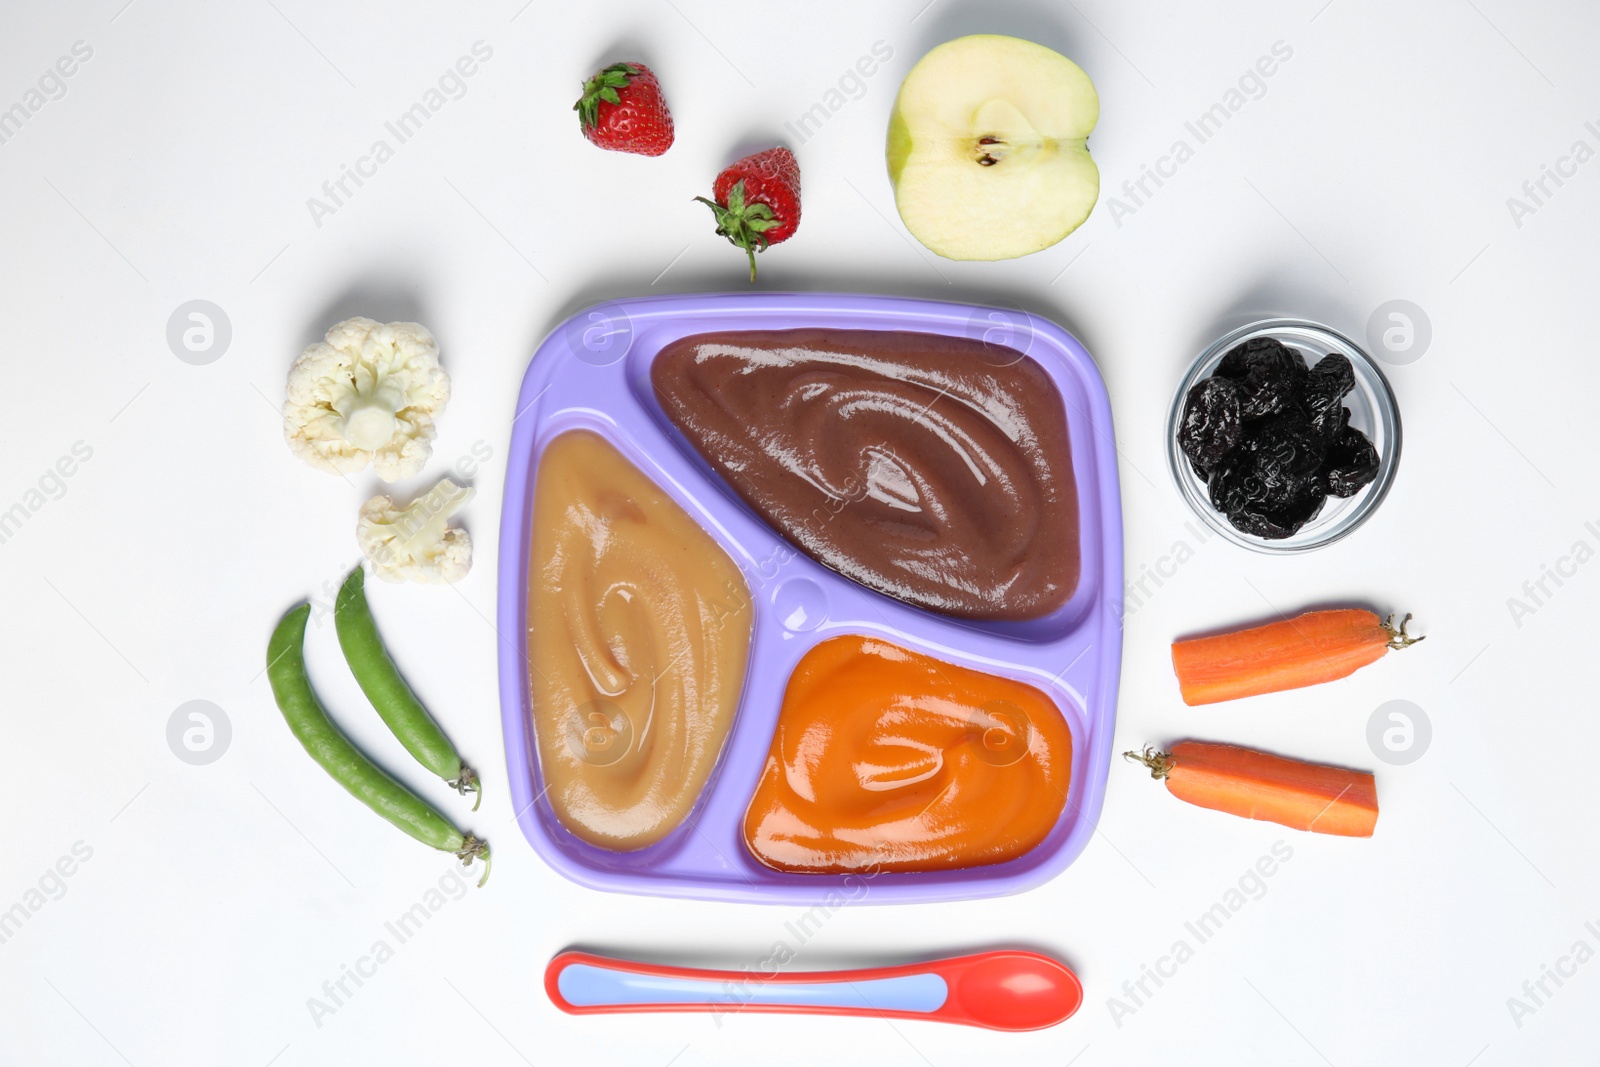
[593,372]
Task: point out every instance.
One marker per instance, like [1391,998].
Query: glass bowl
[1372,411]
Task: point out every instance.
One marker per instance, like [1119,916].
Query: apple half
[988,149]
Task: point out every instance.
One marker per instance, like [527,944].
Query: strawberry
[622,110]
[757,201]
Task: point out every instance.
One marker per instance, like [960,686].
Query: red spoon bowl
[1010,990]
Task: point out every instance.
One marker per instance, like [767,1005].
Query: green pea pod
[389,694]
[363,779]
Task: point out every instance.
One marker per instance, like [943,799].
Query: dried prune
[1328,382]
[1234,483]
[1211,424]
[1329,422]
[1289,441]
[1284,519]
[1352,463]
[1262,496]
[1268,375]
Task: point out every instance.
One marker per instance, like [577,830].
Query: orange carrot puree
[887,759]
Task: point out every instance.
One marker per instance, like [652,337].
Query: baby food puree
[933,469]
[888,759]
[638,630]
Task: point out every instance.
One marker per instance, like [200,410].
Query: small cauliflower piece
[416,543]
[367,393]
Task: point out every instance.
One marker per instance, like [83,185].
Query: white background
[1376,166]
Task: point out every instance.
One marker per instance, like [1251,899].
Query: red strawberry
[622,110]
[757,201]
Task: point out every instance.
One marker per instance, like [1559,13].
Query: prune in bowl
[1352,463]
[1212,422]
[1267,374]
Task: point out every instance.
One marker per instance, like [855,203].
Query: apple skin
[899,149]
[1034,106]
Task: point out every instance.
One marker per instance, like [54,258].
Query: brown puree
[638,630]
[933,469]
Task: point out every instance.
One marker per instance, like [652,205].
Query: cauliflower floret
[367,393]
[416,543]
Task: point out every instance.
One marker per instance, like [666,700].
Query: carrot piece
[1259,785]
[1312,648]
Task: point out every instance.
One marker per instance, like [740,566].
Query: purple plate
[593,372]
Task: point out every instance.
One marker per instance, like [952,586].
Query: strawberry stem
[743,224]
[603,86]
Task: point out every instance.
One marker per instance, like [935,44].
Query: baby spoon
[1003,990]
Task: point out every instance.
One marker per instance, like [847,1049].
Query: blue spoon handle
[588,986]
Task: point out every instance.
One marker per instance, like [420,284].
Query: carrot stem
[1399,638]
[1159,763]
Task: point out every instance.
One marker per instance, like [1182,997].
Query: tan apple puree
[638,631]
